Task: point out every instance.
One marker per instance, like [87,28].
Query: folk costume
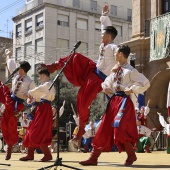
[118,124]
[13,101]
[38,133]
[167,127]
[143,143]
[83,72]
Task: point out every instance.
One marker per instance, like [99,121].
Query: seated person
[89,135]
[24,121]
[144,133]
[55,123]
[167,127]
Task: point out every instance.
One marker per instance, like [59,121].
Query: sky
[8,9]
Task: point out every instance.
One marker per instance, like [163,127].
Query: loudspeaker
[69,129]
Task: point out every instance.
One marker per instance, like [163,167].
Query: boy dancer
[144,133]
[167,127]
[83,72]
[38,133]
[13,102]
[118,125]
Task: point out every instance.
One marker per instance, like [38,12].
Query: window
[28,50]
[119,30]
[82,24]
[18,30]
[94,5]
[39,20]
[113,10]
[165,6]
[18,53]
[63,20]
[82,48]
[129,14]
[76,3]
[61,43]
[39,48]
[130,33]
[28,25]
[97,26]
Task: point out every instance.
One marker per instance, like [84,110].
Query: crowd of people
[112,73]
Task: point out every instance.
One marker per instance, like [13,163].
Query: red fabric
[80,72]
[169,111]
[39,130]
[9,121]
[142,118]
[107,135]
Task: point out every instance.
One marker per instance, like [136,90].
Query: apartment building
[45,30]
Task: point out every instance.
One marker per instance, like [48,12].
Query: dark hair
[25,66]
[111,30]
[43,71]
[124,49]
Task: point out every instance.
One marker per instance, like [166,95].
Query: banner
[159,38]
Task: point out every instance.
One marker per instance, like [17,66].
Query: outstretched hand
[105,9]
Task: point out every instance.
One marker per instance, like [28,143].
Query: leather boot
[47,154]
[8,152]
[30,155]
[81,131]
[85,148]
[95,153]
[130,153]
[147,149]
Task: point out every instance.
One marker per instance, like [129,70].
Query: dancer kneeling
[38,134]
[118,125]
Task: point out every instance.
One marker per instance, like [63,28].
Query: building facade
[45,30]
[151,44]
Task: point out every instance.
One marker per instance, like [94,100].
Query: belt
[17,100]
[35,104]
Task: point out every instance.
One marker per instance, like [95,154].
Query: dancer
[143,144]
[167,127]
[38,133]
[86,74]
[118,124]
[13,102]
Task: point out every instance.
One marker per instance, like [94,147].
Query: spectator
[55,123]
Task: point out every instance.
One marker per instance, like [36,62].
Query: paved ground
[157,160]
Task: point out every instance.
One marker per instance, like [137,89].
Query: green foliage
[97,108]
[69,93]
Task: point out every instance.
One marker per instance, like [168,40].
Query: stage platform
[158,160]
